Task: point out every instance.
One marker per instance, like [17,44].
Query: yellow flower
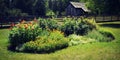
[26,26]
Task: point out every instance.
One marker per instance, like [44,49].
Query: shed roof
[80,5]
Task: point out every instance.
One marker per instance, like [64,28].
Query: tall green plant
[101,36]
[77,26]
[48,24]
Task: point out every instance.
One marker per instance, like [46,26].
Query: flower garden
[46,35]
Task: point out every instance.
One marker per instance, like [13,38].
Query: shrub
[85,26]
[109,35]
[44,33]
[22,33]
[101,36]
[46,44]
[76,39]
[77,26]
[69,26]
[48,24]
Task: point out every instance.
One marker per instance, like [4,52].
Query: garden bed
[47,36]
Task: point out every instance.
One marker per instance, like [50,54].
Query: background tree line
[55,7]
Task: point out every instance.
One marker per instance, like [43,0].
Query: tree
[40,9]
[96,6]
[111,7]
[4,6]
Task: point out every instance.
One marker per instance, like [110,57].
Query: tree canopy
[43,7]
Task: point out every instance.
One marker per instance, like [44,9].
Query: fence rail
[9,20]
[105,18]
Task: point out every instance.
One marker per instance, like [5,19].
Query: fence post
[1,22]
[118,17]
[103,18]
[111,17]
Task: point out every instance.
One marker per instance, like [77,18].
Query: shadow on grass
[111,25]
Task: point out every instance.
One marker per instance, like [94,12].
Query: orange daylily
[26,26]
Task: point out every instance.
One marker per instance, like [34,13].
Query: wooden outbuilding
[76,9]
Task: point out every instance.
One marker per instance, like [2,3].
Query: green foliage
[50,13]
[101,36]
[29,37]
[46,44]
[103,6]
[76,39]
[16,12]
[77,26]
[22,33]
[44,33]
[109,35]
[69,26]
[48,24]
[85,26]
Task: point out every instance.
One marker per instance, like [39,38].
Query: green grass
[94,51]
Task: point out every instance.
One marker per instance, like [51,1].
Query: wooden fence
[9,20]
[105,18]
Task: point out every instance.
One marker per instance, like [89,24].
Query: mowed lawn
[94,51]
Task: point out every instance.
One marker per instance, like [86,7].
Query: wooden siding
[72,11]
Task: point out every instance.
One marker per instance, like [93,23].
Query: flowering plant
[23,32]
[46,44]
